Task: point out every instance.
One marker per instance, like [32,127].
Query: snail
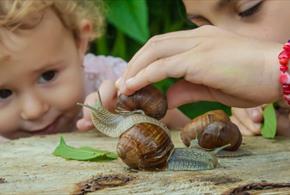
[212,129]
[144,142]
[148,99]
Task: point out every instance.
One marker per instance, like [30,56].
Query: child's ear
[85,34]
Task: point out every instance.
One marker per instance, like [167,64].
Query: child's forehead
[4,55]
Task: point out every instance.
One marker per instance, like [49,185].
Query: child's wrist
[272,73]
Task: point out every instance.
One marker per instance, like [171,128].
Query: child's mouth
[49,129]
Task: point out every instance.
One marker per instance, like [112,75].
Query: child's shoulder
[101,64]
[100,68]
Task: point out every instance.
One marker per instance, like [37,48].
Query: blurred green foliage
[132,22]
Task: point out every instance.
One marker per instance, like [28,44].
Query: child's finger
[244,130]
[256,114]
[158,70]
[160,46]
[90,100]
[244,118]
[183,92]
[84,125]
[108,93]
[165,45]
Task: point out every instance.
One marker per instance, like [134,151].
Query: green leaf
[195,109]
[269,126]
[131,17]
[119,48]
[82,154]
[108,154]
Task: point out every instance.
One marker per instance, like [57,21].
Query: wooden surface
[28,167]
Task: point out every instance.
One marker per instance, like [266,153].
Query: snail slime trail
[144,142]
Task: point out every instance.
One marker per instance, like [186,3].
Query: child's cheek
[9,120]
[68,95]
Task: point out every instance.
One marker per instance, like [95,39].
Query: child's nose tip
[34,111]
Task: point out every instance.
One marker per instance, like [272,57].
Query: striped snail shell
[212,129]
[148,99]
[145,146]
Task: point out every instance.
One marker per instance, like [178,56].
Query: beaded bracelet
[284,75]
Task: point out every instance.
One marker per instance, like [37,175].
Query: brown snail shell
[212,129]
[145,146]
[149,99]
[197,125]
[219,134]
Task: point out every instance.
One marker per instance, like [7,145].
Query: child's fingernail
[254,113]
[130,82]
[256,116]
[122,90]
[118,83]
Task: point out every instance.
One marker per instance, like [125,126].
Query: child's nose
[33,107]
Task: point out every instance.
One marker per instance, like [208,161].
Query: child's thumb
[84,125]
[90,100]
[86,122]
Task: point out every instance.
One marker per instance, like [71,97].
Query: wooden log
[27,166]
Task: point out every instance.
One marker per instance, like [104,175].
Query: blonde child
[231,58]
[44,71]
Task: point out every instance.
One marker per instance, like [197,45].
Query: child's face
[262,19]
[40,80]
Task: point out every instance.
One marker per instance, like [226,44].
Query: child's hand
[216,65]
[108,93]
[248,120]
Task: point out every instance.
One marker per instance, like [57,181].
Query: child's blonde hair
[14,14]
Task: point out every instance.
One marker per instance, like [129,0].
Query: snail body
[212,130]
[192,159]
[145,144]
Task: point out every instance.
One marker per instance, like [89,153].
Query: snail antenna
[217,150]
[99,97]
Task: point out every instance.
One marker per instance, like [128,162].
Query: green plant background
[130,23]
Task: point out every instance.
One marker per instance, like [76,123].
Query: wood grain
[28,167]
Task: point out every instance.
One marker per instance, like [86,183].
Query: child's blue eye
[47,76]
[251,11]
[5,93]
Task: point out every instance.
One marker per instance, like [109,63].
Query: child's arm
[216,65]
[175,119]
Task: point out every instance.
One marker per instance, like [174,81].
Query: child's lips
[49,129]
